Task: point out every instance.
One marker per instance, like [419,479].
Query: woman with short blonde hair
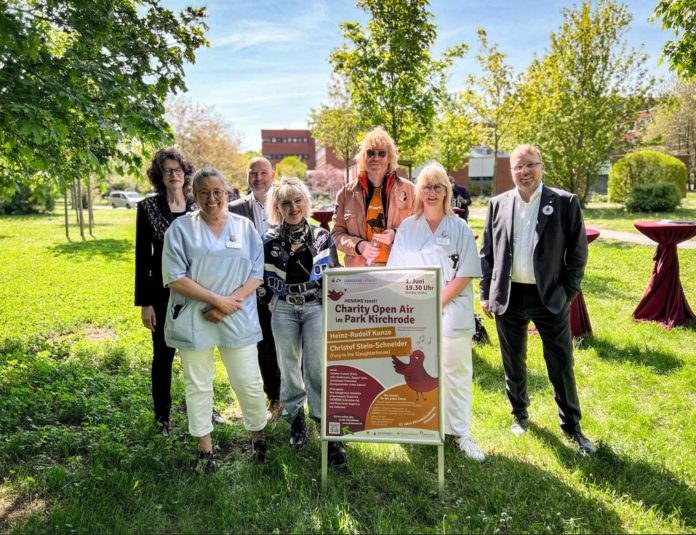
[289,188]
[434,174]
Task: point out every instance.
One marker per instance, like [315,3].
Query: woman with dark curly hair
[170,174]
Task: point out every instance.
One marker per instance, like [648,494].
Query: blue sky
[268,60]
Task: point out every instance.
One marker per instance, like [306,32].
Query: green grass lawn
[79,452]
[613,216]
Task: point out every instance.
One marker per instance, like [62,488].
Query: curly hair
[156,175]
[377,138]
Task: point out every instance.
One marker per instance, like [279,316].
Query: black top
[299,265]
[152,221]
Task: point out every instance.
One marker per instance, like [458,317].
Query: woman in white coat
[213,263]
[435,236]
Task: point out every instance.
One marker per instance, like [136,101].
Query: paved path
[630,237]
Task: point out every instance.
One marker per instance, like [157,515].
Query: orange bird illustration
[417,378]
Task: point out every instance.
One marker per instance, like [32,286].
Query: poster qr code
[334,428]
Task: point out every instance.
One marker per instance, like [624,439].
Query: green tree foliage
[206,139]
[338,125]
[673,125]
[391,74]
[578,101]
[492,96]
[83,84]
[29,200]
[291,166]
[680,16]
[644,167]
[653,197]
[455,133]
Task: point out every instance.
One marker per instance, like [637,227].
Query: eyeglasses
[217,193]
[528,166]
[290,181]
[437,188]
[372,153]
[171,172]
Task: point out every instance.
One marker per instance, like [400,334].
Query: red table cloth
[579,316]
[664,300]
[323,216]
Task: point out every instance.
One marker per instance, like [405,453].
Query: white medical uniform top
[218,264]
[452,248]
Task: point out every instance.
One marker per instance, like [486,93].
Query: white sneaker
[470,448]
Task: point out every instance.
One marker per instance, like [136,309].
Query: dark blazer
[560,250]
[243,207]
[152,221]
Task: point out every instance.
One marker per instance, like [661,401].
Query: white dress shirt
[260,215]
[523,230]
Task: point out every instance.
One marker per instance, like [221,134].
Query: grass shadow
[662,362]
[652,486]
[110,248]
[504,495]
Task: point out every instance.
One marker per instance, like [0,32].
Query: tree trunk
[67,218]
[90,212]
[73,194]
[80,213]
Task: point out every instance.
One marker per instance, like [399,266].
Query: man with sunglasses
[260,176]
[533,257]
[370,209]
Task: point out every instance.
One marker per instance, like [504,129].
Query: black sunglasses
[372,153]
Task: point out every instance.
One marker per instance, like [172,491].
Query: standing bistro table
[323,216]
[664,300]
[579,316]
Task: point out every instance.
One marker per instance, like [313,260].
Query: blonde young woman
[436,236]
[296,254]
[371,208]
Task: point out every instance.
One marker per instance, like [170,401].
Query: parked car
[124,198]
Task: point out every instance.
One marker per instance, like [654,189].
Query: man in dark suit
[253,206]
[533,257]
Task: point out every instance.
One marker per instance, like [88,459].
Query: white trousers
[242,367]
[458,375]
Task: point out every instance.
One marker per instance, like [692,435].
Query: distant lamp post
[409,164]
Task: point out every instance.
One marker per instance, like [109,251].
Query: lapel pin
[547,210]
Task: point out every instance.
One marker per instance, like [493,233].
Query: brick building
[277,144]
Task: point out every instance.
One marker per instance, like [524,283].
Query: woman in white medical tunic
[213,263]
[435,236]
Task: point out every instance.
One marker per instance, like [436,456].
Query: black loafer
[581,442]
[210,464]
[165,429]
[298,432]
[259,450]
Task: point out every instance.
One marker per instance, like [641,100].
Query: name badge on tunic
[233,243]
[442,241]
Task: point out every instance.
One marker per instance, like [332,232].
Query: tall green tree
[673,125]
[680,16]
[83,83]
[492,96]
[338,124]
[578,101]
[455,133]
[393,78]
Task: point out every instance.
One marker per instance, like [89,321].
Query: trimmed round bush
[645,167]
[653,197]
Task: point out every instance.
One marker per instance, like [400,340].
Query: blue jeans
[297,330]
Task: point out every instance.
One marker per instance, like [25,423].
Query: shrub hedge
[643,167]
[653,197]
